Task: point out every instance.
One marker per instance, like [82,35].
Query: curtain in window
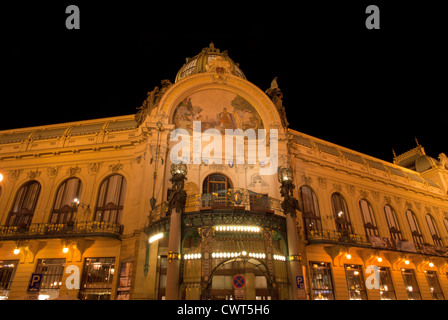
[340,212]
[111,197]
[434,231]
[392,222]
[415,229]
[24,205]
[369,218]
[68,191]
[310,207]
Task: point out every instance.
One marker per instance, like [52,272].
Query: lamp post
[289,205]
[176,205]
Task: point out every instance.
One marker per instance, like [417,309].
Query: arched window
[109,207]
[415,229]
[24,205]
[216,182]
[310,207]
[434,231]
[368,218]
[67,192]
[340,212]
[392,222]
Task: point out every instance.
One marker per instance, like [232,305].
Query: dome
[425,163]
[199,63]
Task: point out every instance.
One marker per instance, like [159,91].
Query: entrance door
[256,281]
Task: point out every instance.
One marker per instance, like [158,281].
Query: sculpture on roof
[276,95]
[151,101]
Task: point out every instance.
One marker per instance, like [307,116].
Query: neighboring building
[92,196]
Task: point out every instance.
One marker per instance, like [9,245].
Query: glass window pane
[321,282]
[387,291]
[434,285]
[355,282]
[97,279]
[410,283]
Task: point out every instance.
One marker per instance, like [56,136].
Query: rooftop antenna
[416,141]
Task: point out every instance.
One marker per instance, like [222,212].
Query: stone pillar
[294,266]
[250,285]
[174,244]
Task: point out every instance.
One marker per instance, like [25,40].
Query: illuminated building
[92,196]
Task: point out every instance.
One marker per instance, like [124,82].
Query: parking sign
[35,282]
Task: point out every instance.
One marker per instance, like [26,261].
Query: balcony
[374,242]
[50,230]
[232,206]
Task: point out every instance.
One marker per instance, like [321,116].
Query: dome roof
[425,163]
[199,63]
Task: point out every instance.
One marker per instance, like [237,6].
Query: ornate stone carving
[53,171]
[178,196]
[307,179]
[364,193]
[94,167]
[151,101]
[14,174]
[73,170]
[33,174]
[350,189]
[116,167]
[322,182]
[276,95]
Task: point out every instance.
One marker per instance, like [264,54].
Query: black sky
[368,90]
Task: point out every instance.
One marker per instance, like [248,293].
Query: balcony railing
[376,242]
[232,206]
[230,200]
[52,230]
[337,237]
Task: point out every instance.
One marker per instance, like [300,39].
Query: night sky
[368,90]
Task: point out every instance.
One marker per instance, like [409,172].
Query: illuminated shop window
[7,271]
[52,271]
[97,279]
[434,285]
[387,291]
[321,281]
[410,283]
[355,282]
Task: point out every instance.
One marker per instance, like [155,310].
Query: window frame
[342,221]
[370,227]
[19,215]
[394,230]
[433,230]
[114,210]
[416,233]
[64,210]
[311,216]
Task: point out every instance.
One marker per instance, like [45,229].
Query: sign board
[299,282]
[35,282]
[238,281]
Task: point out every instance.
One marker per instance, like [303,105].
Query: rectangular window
[387,291]
[52,271]
[355,282]
[410,283]
[7,271]
[434,285]
[97,279]
[321,282]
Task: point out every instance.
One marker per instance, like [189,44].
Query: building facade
[95,210]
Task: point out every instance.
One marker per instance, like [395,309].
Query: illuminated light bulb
[406,261]
[1,177]
[380,259]
[349,256]
[16,251]
[431,264]
[213,255]
[244,253]
[65,250]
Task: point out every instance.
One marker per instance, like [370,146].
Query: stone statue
[276,95]
[151,101]
[289,204]
[178,196]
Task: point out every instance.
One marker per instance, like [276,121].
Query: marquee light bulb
[16,251]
